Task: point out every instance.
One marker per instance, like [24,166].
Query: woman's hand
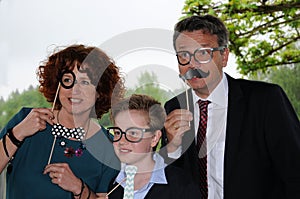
[102,196]
[62,175]
[35,121]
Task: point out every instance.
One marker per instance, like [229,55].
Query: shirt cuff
[176,154]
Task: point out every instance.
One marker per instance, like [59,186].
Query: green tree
[105,120]
[262,32]
[288,78]
[148,84]
[28,98]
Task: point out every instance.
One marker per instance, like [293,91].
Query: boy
[138,120]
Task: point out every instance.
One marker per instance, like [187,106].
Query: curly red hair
[101,69]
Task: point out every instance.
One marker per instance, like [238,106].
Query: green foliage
[29,98]
[262,32]
[148,84]
[105,120]
[288,78]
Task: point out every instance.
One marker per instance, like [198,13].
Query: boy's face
[135,153]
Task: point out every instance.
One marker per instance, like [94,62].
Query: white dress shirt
[216,129]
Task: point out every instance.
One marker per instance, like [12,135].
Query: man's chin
[198,85]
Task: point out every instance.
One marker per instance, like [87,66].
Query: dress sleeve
[16,119]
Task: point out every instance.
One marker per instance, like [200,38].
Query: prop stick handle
[55,98]
[50,156]
[54,140]
[187,99]
[116,186]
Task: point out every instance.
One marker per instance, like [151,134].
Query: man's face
[190,41]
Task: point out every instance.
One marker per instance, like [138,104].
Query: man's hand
[177,123]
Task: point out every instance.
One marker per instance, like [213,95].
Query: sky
[137,34]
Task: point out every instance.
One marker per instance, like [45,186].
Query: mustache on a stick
[192,73]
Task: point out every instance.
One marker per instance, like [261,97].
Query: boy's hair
[154,110]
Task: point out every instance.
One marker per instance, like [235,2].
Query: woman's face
[81,97]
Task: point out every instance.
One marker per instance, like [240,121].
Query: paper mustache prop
[192,73]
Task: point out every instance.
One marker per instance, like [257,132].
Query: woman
[50,153]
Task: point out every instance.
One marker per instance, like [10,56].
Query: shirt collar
[158,174]
[219,96]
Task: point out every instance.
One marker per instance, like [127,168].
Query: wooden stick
[116,186]
[55,98]
[187,98]
[54,140]
[50,156]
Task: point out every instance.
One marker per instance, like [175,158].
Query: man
[251,144]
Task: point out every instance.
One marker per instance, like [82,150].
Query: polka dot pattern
[61,131]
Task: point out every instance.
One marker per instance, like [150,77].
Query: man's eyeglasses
[201,55]
[132,134]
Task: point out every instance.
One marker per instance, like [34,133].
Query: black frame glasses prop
[132,134]
[67,79]
[201,55]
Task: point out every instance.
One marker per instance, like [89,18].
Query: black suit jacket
[179,186]
[262,147]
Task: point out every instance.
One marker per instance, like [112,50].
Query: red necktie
[201,147]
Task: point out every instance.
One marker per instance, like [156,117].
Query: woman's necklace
[64,135]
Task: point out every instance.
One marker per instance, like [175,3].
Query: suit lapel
[236,108]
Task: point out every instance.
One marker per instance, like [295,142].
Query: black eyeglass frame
[220,48]
[143,130]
